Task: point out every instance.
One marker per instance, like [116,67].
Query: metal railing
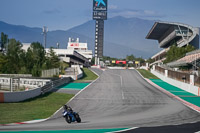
[53,84]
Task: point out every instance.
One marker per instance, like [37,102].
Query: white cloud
[128,13]
[52,11]
[111,7]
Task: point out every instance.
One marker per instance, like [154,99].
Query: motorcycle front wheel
[78,119]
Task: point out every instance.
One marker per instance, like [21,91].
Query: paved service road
[118,99]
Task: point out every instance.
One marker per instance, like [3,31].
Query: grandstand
[169,33]
[191,58]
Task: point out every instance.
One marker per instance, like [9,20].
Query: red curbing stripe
[17,123]
[1,97]
[194,107]
[20,123]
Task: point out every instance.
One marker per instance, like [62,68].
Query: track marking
[83,88]
[75,95]
[124,130]
[121,84]
[188,104]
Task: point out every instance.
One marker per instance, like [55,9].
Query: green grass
[88,75]
[147,74]
[37,108]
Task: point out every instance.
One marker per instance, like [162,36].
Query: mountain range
[122,36]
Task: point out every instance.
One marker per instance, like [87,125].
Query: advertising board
[99,5]
[100,9]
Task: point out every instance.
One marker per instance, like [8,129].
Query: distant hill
[123,36]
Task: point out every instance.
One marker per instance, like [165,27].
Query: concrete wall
[76,76]
[184,86]
[26,82]
[24,95]
[19,96]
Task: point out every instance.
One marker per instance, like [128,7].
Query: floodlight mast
[45,30]
[99,15]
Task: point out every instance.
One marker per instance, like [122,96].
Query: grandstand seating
[188,59]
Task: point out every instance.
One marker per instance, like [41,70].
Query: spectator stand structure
[169,33]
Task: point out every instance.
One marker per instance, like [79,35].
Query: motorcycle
[71,116]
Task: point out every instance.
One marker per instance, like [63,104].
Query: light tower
[99,14]
[45,30]
[57,45]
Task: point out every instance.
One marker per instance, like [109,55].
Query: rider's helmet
[65,107]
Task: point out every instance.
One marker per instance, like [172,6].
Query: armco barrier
[48,87]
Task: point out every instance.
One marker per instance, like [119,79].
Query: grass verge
[37,108]
[87,75]
[147,74]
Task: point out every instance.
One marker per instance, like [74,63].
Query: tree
[130,58]
[53,59]
[13,56]
[176,53]
[4,40]
[35,58]
[3,61]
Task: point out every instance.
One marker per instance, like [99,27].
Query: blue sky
[64,14]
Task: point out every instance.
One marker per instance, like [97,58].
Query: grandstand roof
[166,33]
[158,29]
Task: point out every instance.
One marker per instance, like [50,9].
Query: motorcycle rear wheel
[67,118]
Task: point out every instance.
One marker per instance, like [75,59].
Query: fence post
[192,79]
[166,73]
[11,87]
[52,84]
[154,67]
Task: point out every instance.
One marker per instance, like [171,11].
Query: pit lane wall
[184,86]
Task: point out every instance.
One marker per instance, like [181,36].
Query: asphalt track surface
[119,99]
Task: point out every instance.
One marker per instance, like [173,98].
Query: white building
[70,56]
[81,48]
[25,46]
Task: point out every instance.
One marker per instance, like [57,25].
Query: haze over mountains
[122,36]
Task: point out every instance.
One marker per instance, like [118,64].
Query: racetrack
[118,99]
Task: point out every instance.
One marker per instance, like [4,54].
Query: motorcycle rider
[68,109]
[73,115]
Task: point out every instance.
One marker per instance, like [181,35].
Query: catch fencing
[50,72]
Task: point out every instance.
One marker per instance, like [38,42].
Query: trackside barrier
[75,75]
[7,97]
[184,86]
[53,84]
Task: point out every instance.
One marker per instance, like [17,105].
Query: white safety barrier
[116,67]
[184,86]
[77,74]
[19,96]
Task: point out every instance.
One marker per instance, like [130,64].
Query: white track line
[123,130]
[123,97]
